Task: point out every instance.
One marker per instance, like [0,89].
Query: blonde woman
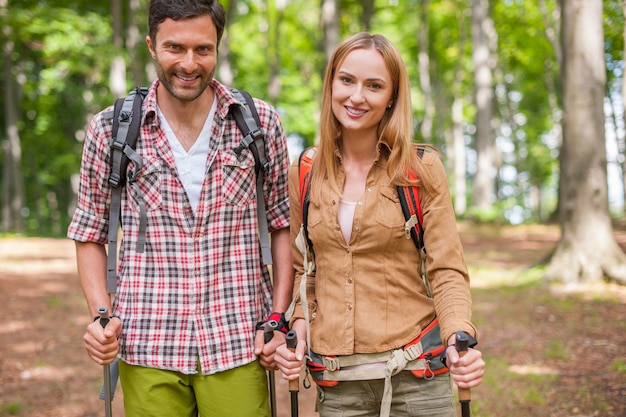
[366,300]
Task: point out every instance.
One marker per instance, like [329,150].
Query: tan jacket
[367,296]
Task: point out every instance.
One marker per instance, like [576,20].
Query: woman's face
[361,91]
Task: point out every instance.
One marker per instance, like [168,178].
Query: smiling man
[186,307]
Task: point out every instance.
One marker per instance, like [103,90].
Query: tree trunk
[423,60]
[134,43]
[12,182]
[330,28]
[225,68]
[484,182]
[587,251]
[117,76]
[276,12]
[368,14]
[458,139]
[623,165]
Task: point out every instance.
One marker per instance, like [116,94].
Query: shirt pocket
[388,208]
[146,186]
[238,178]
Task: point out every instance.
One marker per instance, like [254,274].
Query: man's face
[185,55]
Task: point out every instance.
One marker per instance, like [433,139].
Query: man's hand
[101,344]
[267,351]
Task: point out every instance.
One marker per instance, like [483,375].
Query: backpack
[126,129]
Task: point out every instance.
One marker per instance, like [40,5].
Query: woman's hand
[290,363]
[467,371]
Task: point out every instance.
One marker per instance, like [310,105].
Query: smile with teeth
[355,111]
[186,78]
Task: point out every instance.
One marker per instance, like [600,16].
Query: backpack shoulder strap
[125,133]
[305,164]
[248,121]
[410,202]
[413,226]
[126,126]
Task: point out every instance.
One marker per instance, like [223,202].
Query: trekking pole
[294,385]
[268,333]
[104,319]
[461,345]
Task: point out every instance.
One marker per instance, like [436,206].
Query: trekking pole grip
[292,340]
[103,312]
[462,345]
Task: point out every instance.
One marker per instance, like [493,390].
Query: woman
[366,299]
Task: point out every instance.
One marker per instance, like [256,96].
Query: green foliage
[619,365]
[63,51]
[11,409]
[60,57]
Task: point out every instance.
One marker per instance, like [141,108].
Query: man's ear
[150,46]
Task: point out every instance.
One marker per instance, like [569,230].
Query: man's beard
[182,94]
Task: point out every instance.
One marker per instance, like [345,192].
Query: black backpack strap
[305,165]
[248,121]
[412,210]
[126,126]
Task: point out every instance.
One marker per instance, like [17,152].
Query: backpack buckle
[409,225]
[125,116]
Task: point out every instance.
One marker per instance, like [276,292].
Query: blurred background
[524,98]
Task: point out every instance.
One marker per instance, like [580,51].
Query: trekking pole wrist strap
[279,318]
[96,318]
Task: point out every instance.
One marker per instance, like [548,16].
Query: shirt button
[349,280]
[357,228]
[349,306]
[360,203]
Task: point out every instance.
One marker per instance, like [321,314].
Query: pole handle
[292,340]
[462,345]
[103,312]
[268,330]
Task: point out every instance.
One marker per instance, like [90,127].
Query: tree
[587,250]
[485,145]
[12,182]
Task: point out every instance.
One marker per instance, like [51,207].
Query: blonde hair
[395,128]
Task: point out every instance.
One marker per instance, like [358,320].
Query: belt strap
[340,368]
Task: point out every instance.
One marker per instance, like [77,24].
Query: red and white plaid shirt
[199,288]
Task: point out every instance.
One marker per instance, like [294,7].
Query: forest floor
[550,350]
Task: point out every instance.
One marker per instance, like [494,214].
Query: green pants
[240,392]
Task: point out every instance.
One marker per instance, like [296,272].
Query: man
[185,310]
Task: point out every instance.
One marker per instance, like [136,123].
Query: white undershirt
[346,217]
[191,165]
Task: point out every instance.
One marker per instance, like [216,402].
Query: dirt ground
[44,370]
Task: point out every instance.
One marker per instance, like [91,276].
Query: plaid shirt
[199,288]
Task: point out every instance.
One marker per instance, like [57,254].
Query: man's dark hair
[182,9]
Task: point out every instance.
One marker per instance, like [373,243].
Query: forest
[489,81]
[525,99]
